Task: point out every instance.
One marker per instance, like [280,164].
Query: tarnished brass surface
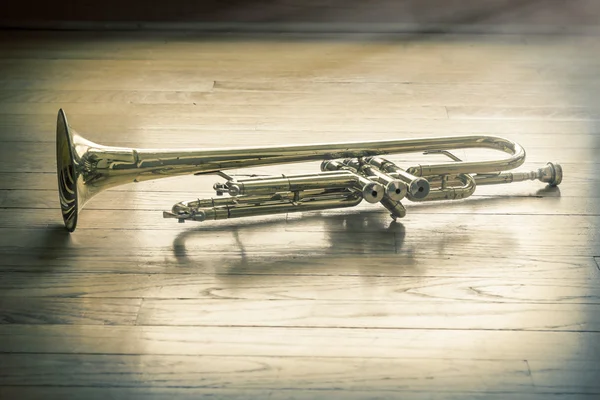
[86,168]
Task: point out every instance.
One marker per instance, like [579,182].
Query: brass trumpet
[350,173]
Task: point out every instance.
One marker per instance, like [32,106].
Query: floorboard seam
[296,356]
[139,311]
[261,327]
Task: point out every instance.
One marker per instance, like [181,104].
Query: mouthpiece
[551,174]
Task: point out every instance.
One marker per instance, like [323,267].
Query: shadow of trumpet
[363,243]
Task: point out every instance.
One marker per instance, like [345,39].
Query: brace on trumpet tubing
[351,172]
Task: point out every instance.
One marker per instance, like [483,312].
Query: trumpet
[350,173]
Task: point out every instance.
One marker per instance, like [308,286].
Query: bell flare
[68,190]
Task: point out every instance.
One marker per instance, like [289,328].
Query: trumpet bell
[68,176]
[84,169]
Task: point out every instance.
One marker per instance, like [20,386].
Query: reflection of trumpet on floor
[350,173]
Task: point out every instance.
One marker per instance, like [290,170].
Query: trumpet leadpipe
[550,174]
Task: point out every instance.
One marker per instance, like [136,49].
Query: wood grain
[376,314]
[42,258]
[183,132]
[241,287]
[191,110]
[60,393]
[298,342]
[46,261]
[383,112]
[331,94]
[297,373]
[547,113]
[263,372]
[26,310]
[201,77]
[160,393]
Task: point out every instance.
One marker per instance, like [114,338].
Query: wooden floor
[493,297]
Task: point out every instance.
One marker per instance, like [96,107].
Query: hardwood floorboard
[383,112]
[298,342]
[57,253]
[259,372]
[308,287]
[302,314]
[294,93]
[213,138]
[383,315]
[547,113]
[370,314]
[191,110]
[131,82]
[313,65]
[59,393]
[201,78]
[42,259]
[105,311]
[145,130]
[293,373]
[459,93]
